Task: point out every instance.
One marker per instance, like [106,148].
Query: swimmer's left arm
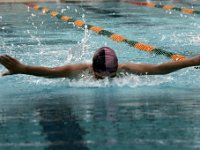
[16,67]
[158,69]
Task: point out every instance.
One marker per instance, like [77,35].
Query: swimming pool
[130,112]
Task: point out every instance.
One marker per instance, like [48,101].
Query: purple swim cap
[105,60]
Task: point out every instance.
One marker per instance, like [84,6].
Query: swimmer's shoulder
[121,68]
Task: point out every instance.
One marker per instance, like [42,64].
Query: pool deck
[25,1]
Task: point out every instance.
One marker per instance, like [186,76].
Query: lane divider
[167,7]
[115,37]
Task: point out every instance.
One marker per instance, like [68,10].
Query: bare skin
[16,67]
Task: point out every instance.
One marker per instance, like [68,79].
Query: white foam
[88,81]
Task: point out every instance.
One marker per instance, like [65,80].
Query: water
[129,112]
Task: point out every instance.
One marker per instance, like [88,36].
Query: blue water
[129,112]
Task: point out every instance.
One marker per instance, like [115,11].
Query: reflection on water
[60,128]
[5,28]
[102,118]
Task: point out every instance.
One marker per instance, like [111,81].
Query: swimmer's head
[105,63]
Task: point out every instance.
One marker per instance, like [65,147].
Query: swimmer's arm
[16,67]
[55,72]
[158,69]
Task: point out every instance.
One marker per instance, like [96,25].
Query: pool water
[128,112]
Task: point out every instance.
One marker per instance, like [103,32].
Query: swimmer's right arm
[16,67]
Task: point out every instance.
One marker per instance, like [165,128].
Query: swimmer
[104,64]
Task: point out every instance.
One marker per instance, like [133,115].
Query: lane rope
[166,7]
[115,37]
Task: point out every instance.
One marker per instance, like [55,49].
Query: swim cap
[105,60]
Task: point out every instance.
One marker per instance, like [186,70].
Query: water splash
[82,51]
[63,10]
[87,80]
